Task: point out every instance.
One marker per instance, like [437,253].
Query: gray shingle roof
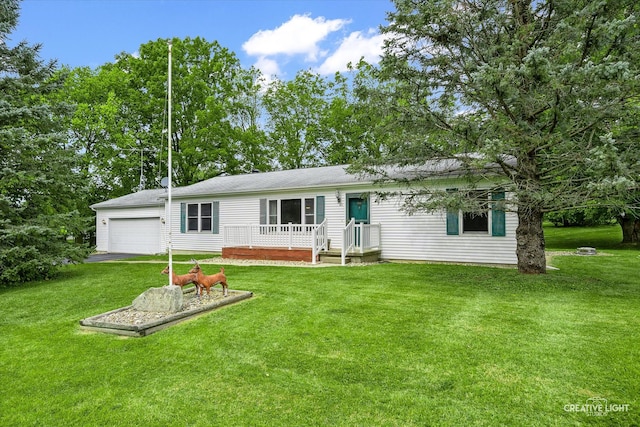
[270,181]
[293,179]
[314,177]
[140,198]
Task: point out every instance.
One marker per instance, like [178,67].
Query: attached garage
[135,235]
[134,223]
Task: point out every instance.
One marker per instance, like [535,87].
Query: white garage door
[134,235]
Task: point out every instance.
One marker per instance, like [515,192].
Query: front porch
[298,242]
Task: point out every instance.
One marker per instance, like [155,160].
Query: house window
[473,222]
[478,221]
[489,219]
[273,211]
[309,211]
[192,216]
[205,217]
[199,217]
[291,211]
[294,211]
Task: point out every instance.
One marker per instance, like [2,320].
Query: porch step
[334,256]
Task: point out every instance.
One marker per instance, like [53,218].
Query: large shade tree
[100,131]
[120,118]
[294,114]
[208,87]
[535,88]
[39,187]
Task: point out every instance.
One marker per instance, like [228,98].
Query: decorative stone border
[586,250]
[99,323]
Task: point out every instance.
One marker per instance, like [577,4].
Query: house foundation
[267,253]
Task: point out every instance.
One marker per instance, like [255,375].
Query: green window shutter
[452,223]
[215,217]
[453,218]
[319,209]
[498,227]
[183,217]
[263,211]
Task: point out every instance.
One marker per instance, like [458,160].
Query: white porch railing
[278,236]
[287,236]
[359,238]
[319,240]
[355,237]
[348,239]
[369,235]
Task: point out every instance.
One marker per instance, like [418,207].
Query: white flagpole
[169,243]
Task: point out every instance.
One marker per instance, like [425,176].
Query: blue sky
[278,36]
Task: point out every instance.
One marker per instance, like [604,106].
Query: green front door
[358,208]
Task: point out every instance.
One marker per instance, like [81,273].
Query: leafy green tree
[99,130]
[348,123]
[586,217]
[208,86]
[313,121]
[532,87]
[121,115]
[374,120]
[39,189]
[235,122]
[294,114]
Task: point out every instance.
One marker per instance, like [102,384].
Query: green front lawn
[600,237]
[390,344]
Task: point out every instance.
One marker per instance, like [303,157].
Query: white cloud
[303,36]
[300,35]
[268,67]
[355,46]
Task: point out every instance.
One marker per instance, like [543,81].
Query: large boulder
[167,299]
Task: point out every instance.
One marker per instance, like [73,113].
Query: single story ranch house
[302,214]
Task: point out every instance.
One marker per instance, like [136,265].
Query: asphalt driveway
[108,257]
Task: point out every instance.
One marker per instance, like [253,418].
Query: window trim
[273,210]
[496,222]
[468,217]
[186,217]
[191,217]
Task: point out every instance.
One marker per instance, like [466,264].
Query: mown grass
[383,345]
[600,237]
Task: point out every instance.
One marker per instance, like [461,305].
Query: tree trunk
[530,242]
[630,229]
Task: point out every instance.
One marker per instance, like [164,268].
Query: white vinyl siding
[205,239]
[423,236]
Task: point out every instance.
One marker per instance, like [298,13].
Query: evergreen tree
[39,192]
[534,87]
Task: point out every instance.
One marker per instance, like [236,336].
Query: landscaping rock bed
[131,322]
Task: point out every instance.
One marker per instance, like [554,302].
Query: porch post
[314,238]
